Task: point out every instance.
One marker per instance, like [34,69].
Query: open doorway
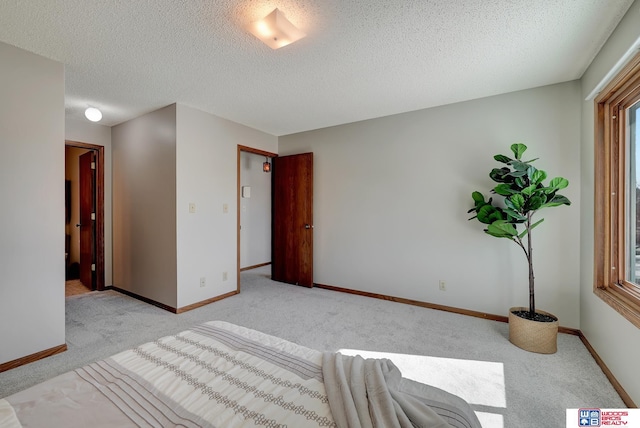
[84,218]
[254,209]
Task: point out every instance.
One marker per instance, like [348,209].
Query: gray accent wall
[32,209]
[144,206]
[613,337]
[391,197]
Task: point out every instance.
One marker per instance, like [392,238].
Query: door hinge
[93,267]
[93,216]
[93,165]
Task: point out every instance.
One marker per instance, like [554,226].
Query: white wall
[206,174]
[255,212]
[144,205]
[391,197]
[87,132]
[614,338]
[32,195]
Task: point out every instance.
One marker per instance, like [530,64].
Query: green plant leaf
[502,229]
[499,175]
[536,223]
[520,182]
[477,197]
[517,173]
[528,191]
[518,201]
[556,201]
[559,183]
[535,203]
[519,165]
[502,158]
[540,191]
[518,149]
[514,215]
[538,176]
[487,214]
[504,189]
[524,232]
[509,204]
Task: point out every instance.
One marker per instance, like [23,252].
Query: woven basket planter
[533,336]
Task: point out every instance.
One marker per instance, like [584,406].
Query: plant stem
[518,241]
[532,296]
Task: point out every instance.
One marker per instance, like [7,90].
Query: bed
[223,375]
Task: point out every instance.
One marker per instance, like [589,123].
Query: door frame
[99,151]
[266,154]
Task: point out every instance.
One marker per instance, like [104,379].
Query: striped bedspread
[222,375]
[213,375]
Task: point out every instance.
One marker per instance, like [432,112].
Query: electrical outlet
[442,285]
[224,276]
[203,281]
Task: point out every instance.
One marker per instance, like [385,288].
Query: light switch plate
[192,207]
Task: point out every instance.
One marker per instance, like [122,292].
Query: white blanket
[368,393]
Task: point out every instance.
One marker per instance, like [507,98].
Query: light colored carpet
[508,386]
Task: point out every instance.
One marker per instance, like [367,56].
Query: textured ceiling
[360,59]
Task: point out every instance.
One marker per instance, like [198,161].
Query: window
[632,198]
[617,193]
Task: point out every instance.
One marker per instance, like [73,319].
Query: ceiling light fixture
[275,30]
[93,114]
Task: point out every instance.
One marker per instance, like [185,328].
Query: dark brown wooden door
[292,237]
[87,220]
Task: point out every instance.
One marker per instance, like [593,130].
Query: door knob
[78,225]
[308,226]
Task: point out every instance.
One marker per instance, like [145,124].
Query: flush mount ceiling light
[93,114]
[275,30]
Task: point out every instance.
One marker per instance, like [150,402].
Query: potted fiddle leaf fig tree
[521,192]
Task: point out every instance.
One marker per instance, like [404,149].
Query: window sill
[624,306]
